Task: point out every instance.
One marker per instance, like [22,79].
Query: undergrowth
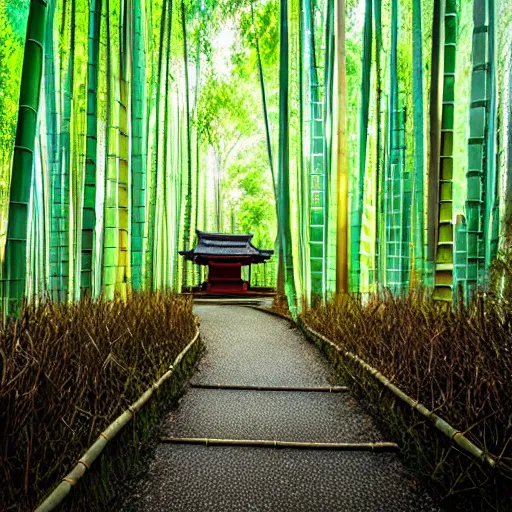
[457,362]
[67,370]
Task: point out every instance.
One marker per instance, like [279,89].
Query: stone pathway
[249,347]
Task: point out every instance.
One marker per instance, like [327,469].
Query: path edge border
[455,436]
[57,496]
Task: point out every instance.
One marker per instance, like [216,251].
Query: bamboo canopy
[367,142]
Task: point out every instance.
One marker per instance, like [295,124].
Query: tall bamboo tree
[443,286]
[139,155]
[436,90]
[111,219]
[158,77]
[123,257]
[380,185]
[188,196]
[481,181]
[284,161]
[419,144]
[393,180]
[89,200]
[342,160]
[15,270]
[363,141]
[317,163]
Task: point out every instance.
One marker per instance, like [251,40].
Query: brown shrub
[458,363]
[67,370]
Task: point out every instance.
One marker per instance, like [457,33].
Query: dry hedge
[458,363]
[67,370]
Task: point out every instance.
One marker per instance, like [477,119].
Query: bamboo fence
[437,422]
[71,479]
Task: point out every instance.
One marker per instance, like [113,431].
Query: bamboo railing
[437,422]
[84,463]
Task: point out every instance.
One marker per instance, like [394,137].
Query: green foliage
[199,91]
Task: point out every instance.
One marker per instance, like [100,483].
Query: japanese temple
[225,255]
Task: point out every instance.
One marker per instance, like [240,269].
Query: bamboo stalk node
[105,436]
[70,481]
[84,463]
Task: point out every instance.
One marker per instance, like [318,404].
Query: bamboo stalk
[71,479]
[284,219]
[342,155]
[16,248]
[264,443]
[445,428]
[318,389]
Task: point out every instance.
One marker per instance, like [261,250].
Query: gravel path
[249,347]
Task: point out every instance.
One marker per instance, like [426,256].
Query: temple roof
[225,247]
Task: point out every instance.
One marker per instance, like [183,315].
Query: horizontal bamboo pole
[445,428]
[319,389]
[374,447]
[71,479]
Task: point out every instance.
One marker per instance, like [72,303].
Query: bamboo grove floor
[246,347]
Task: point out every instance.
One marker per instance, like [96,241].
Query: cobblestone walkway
[249,347]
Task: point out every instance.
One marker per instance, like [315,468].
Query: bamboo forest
[256,255]
[368,141]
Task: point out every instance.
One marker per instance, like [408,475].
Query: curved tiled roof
[225,246]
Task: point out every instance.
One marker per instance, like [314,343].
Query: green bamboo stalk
[89,193]
[162,261]
[110,228]
[15,270]
[138,170]
[52,143]
[436,89]
[302,192]
[478,187]
[342,160]
[78,143]
[56,191]
[492,193]
[197,142]
[380,259]
[329,72]
[363,142]
[123,277]
[393,169]
[317,165]
[419,144]
[62,209]
[443,286]
[154,167]
[284,227]
[188,196]
[295,142]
